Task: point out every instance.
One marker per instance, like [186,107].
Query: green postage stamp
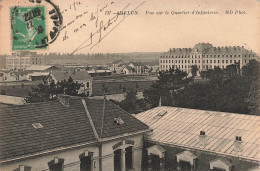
[28,28]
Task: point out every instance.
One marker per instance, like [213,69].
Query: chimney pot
[238,144]
[202,132]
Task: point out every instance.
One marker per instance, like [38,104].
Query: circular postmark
[30,30]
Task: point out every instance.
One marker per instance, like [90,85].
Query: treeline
[83,56]
[48,91]
[227,90]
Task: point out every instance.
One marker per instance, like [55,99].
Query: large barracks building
[205,56]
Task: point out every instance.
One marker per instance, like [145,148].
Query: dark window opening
[155,162]
[56,164]
[218,169]
[117,160]
[129,158]
[185,166]
[85,163]
[56,167]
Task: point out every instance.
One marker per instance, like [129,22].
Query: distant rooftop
[75,75]
[40,67]
[205,48]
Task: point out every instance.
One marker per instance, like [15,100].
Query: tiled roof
[137,63]
[206,48]
[146,67]
[39,67]
[129,68]
[22,72]
[181,127]
[4,105]
[75,75]
[110,129]
[62,126]
[116,61]
[121,65]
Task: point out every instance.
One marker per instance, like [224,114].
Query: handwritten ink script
[94,23]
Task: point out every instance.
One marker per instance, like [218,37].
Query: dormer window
[162,113]
[118,121]
[37,125]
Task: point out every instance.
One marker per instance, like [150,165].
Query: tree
[136,86]
[104,88]
[226,90]
[130,102]
[231,70]
[165,87]
[251,69]
[49,91]
[194,69]
[71,87]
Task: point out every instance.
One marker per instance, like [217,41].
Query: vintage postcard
[133,85]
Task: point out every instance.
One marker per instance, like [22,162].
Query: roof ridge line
[103,117]
[90,120]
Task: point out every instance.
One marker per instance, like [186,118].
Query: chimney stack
[64,99]
[238,144]
[202,138]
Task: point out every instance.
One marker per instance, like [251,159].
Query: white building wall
[108,153]
[41,163]
[72,160]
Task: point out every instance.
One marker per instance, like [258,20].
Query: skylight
[162,113]
[37,125]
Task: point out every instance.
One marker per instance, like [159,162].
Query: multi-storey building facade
[23,60]
[205,56]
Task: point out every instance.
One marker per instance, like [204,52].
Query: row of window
[206,56]
[36,62]
[204,61]
[57,164]
[163,67]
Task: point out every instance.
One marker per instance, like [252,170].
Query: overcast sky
[146,33]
